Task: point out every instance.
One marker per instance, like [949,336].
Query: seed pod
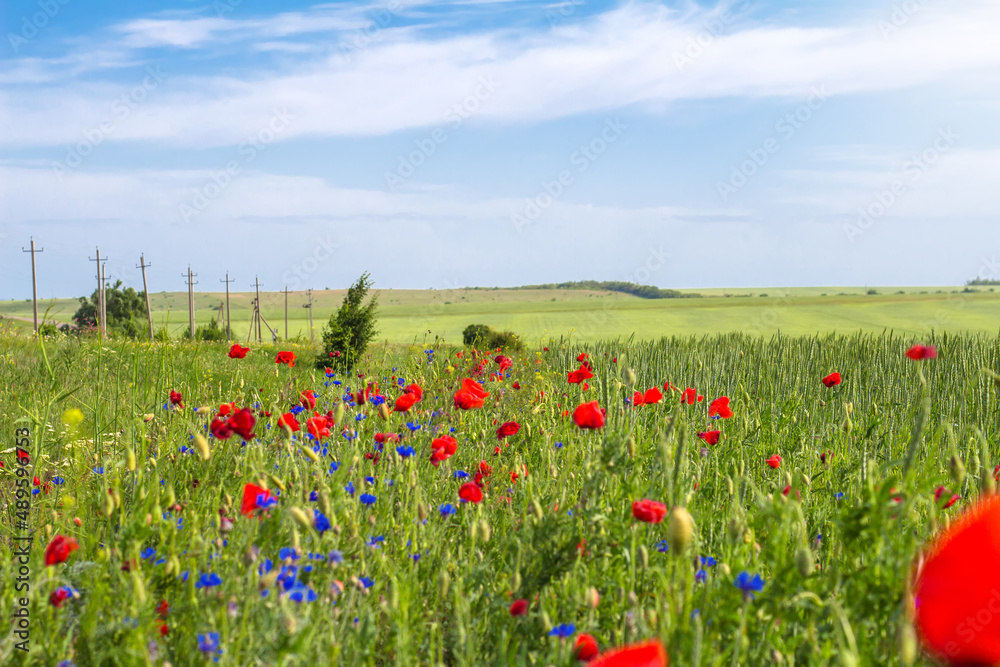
[383,411]
[138,588]
[537,506]
[680,530]
[987,484]
[201,444]
[643,556]
[130,459]
[593,597]
[957,469]
[630,377]
[444,582]
[804,561]
[108,506]
[338,413]
[906,644]
[484,531]
[310,454]
[631,446]
[300,516]
[422,512]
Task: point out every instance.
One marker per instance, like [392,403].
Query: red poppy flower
[405,402]
[516,385]
[637,399]
[162,609]
[415,390]
[649,511]
[503,362]
[289,420]
[242,423]
[583,357]
[956,589]
[251,494]
[519,607]
[918,352]
[318,426]
[948,501]
[471,395]
[237,351]
[59,595]
[164,628]
[381,437]
[59,549]
[710,437]
[176,398]
[443,449]
[220,429]
[579,375]
[832,380]
[585,648]
[650,654]
[690,395]
[285,358]
[226,409]
[652,396]
[308,399]
[470,492]
[720,408]
[774,461]
[589,415]
[508,428]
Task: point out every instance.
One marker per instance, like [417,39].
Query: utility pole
[34,282]
[312,337]
[191,283]
[256,282]
[229,328]
[286,312]
[145,290]
[100,293]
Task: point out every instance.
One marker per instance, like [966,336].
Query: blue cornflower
[460,474]
[298,409]
[300,593]
[58,481]
[368,499]
[838,495]
[334,467]
[413,426]
[405,451]
[98,469]
[208,580]
[209,645]
[335,557]
[313,496]
[749,584]
[662,546]
[288,552]
[700,575]
[448,509]
[376,541]
[320,522]
[360,416]
[265,567]
[559,445]
[349,488]
[563,630]
[148,552]
[377,400]
[370,480]
[366,582]
[708,561]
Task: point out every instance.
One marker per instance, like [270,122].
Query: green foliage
[162,335]
[47,329]
[350,330]
[481,335]
[641,291]
[126,310]
[210,332]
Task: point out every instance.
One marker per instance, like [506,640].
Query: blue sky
[476,142]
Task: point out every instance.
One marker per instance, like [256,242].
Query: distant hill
[641,291]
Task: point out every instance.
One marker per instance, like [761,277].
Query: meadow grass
[590,316]
[836,551]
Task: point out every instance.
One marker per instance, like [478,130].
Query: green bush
[350,330]
[476,334]
[482,335]
[126,311]
[210,332]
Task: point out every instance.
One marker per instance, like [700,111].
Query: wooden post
[191,284]
[256,281]
[145,290]
[229,328]
[100,293]
[34,282]
[286,312]
[312,338]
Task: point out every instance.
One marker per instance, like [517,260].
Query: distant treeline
[982,281]
[641,291]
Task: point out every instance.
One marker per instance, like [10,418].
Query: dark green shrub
[350,330]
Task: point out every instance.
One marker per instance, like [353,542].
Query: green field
[369,556]
[590,316]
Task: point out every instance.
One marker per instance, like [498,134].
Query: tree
[126,311]
[350,330]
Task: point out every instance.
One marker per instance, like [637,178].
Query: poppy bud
[847,426]
[422,512]
[138,588]
[643,556]
[538,508]
[680,530]
[593,597]
[324,502]
[906,644]
[630,377]
[957,469]
[633,599]
[848,659]
[383,411]
[735,531]
[484,531]
[310,454]
[804,561]
[78,521]
[130,459]
[278,483]
[631,446]
[730,486]
[444,582]
[201,444]
[338,414]
[987,485]
[516,581]
[300,517]
[108,506]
